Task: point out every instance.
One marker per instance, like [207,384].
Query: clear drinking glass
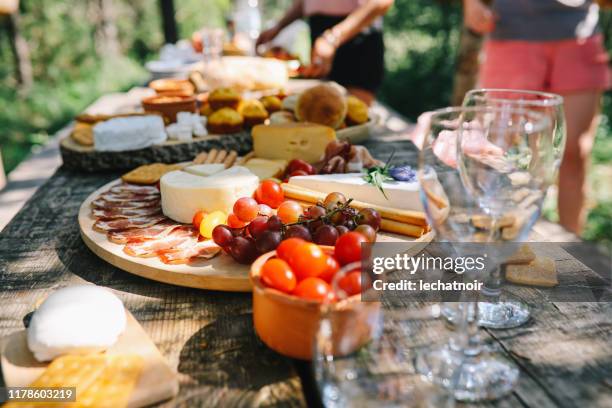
[472,161]
[497,309]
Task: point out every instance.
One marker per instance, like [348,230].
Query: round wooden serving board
[218,273]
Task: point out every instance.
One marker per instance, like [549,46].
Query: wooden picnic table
[564,352]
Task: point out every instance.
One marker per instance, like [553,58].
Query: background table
[564,352]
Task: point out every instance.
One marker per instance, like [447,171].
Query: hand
[321,60]
[266,36]
[478,17]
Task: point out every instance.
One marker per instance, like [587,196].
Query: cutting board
[157,381]
[218,273]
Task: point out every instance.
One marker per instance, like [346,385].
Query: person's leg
[367,96]
[581,111]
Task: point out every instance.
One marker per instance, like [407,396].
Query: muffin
[224,98]
[225,120]
[205,109]
[271,103]
[322,104]
[357,111]
[253,112]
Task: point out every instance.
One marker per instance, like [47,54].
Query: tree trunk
[107,40]
[168,21]
[20,51]
[466,73]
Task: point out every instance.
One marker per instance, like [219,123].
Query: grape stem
[325,218]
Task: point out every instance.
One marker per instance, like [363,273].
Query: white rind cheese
[183,194]
[205,170]
[129,133]
[400,194]
[76,320]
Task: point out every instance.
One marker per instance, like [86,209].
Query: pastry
[224,98]
[322,104]
[83,134]
[253,112]
[225,120]
[539,272]
[356,112]
[272,103]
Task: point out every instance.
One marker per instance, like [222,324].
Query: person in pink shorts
[553,46]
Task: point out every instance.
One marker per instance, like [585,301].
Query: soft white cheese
[183,193]
[400,194]
[205,170]
[76,320]
[129,133]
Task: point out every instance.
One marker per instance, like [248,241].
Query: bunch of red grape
[322,223]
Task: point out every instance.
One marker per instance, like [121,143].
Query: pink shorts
[554,66]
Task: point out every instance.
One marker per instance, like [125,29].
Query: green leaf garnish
[377,175]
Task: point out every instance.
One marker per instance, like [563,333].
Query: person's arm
[295,12]
[325,46]
[478,16]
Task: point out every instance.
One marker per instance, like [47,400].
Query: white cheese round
[76,320]
[183,194]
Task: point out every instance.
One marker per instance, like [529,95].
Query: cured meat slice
[122,198]
[133,188]
[105,205]
[142,234]
[180,238]
[116,213]
[103,225]
[203,250]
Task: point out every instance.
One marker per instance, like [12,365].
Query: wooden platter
[157,381]
[219,273]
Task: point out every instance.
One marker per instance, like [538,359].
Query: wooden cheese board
[219,273]
[157,382]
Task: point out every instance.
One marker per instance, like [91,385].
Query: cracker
[212,155]
[230,159]
[485,222]
[83,134]
[221,156]
[523,255]
[540,272]
[79,371]
[149,173]
[200,158]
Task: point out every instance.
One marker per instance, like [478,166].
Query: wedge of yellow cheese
[266,168]
[289,141]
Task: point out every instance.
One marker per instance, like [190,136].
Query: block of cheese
[289,141]
[129,133]
[205,170]
[399,194]
[76,320]
[183,194]
[266,168]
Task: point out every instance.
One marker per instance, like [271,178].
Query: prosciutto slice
[133,189]
[116,213]
[180,238]
[126,198]
[105,205]
[119,224]
[142,234]
[203,250]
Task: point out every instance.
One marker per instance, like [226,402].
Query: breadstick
[230,159]
[211,156]
[247,157]
[396,214]
[200,158]
[221,156]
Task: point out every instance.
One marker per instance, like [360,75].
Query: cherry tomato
[246,208]
[270,193]
[210,221]
[313,288]
[197,218]
[234,222]
[330,270]
[283,251]
[351,283]
[277,274]
[307,260]
[348,247]
[289,212]
[297,164]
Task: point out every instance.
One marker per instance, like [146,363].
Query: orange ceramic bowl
[288,324]
[172,86]
[169,105]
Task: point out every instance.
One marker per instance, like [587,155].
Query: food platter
[219,273]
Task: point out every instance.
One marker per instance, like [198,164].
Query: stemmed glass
[472,162]
[497,309]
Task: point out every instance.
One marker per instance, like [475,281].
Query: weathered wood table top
[564,352]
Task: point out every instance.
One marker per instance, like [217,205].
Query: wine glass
[497,309]
[378,372]
[466,171]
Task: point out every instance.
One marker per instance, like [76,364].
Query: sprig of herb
[377,175]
